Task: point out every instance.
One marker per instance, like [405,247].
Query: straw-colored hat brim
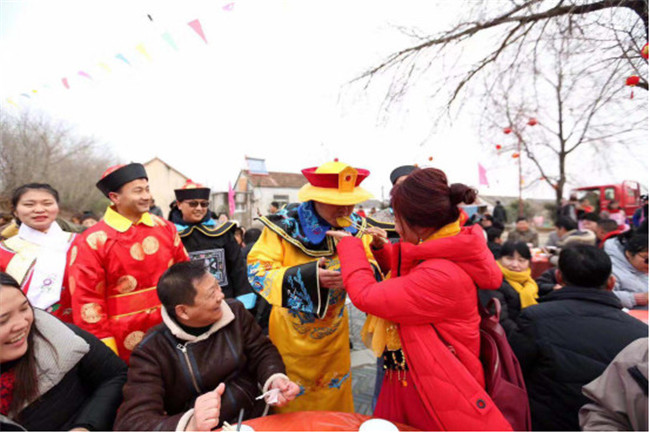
[333,196]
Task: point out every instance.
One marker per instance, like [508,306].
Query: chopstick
[240,419]
[361,228]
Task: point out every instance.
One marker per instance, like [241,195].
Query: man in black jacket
[207,361]
[210,242]
[569,338]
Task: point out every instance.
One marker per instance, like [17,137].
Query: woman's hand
[338,234]
[379,237]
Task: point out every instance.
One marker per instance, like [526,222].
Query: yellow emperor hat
[334,183]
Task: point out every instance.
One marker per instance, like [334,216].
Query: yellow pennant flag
[105,67]
[143,51]
[12,102]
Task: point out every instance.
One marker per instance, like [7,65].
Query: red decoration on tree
[632,81]
[431,158]
[507,130]
[644,51]
[515,155]
[532,121]
[498,146]
[336,160]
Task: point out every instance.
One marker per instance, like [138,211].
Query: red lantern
[507,130]
[498,146]
[515,155]
[632,81]
[431,158]
[644,51]
[532,121]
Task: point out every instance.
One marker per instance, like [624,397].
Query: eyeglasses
[194,203]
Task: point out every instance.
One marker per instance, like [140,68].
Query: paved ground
[363,364]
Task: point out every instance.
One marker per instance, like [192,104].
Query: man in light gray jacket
[620,395]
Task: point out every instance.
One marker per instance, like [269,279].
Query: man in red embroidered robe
[115,264]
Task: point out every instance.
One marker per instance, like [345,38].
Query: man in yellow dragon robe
[295,267]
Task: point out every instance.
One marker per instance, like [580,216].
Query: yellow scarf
[379,334]
[523,284]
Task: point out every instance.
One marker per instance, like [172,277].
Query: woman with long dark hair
[37,257]
[434,378]
[53,376]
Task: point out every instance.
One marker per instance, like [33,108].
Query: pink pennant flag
[231,200]
[196,26]
[229,7]
[65,83]
[85,74]
[482,175]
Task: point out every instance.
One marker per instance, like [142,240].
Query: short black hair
[609,225]
[21,190]
[509,248]
[252,235]
[566,223]
[585,266]
[591,216]
[275,204]
[493,233]
[638,243]
[522,219]
[8,280]
[176,285]
[88,215]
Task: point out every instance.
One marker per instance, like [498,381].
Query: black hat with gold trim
[116,176]
[192,191]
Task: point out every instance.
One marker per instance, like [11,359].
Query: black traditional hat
[118,175]
[192,191]
[400,171]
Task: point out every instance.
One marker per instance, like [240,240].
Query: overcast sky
[270,83]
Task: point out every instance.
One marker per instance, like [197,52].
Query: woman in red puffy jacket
[434,379]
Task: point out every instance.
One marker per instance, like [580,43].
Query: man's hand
[207,409]
[329,279]
[641,299]
[288,390]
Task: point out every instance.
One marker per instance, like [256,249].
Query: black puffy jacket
[567,340]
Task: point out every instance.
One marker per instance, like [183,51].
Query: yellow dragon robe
[308,323]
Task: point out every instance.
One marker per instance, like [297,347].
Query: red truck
[627,194]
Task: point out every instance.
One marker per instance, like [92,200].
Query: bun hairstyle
[460,193]
[425,199]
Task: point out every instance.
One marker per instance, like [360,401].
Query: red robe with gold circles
[114,269]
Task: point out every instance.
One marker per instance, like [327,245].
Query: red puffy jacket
[434,283]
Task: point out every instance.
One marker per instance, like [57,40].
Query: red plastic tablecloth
[537,267]
[642,315]
[313,421]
